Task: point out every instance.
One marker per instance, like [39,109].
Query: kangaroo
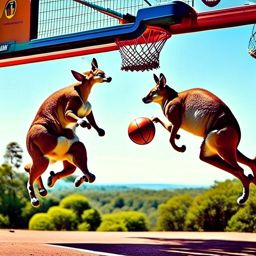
[203,114]
[51,136]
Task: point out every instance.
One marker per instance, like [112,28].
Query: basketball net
[142,53]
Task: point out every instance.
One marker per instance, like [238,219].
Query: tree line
[122,209]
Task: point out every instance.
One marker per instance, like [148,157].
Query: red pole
[225,18]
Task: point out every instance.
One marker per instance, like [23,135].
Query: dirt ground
[41,243]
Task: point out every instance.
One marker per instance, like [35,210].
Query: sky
[215,60]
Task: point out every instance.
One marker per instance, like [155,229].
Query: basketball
[141,130]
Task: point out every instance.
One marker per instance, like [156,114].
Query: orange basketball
[141,130]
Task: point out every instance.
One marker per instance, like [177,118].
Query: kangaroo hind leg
[68,169]
[220,150]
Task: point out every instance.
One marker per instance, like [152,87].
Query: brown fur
[201,113]
[51,136]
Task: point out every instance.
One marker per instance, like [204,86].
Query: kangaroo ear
[162,80]
[156,78]
[94,64]
[78,76]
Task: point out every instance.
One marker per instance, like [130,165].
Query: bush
[4,221]
[92,218]
[84,226]
[245,219]
[212,210]
[76,202]
[126,221]
[41,221]
[172,214]
[62,219]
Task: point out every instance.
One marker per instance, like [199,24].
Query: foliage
[13,155]
[172,214]
[132,221]
[4,221]
[84,226]
[212,210]
[62,219]
[76,202]
[12,195]
[245,219]
[92,218]
[41,221]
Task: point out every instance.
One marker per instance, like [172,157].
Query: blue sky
[216,60]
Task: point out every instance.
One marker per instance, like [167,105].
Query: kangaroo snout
[146,100]
[108,79]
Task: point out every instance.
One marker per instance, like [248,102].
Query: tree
[130,221]
[13,195]
[245,218]
[41,221]
[13,155]
[62,219]
[172,214]
[212,210]
[76,202]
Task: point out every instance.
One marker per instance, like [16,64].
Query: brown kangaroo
[51,136]
[201,113]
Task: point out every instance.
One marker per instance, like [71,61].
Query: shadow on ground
[176,247]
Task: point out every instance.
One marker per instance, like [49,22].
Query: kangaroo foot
[80,180]
[43,192]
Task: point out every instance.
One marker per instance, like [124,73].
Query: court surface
[40,243]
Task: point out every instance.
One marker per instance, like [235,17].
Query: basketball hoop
[143,52]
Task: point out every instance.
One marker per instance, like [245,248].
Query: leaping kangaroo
[201,113]
[51,136]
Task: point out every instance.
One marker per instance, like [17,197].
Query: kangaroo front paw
[50,181]
[101,132]
[84,124]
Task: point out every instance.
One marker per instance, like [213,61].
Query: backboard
[39,30]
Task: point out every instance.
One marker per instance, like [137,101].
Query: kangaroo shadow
[167,247]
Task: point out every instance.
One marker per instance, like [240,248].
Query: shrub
[76,202]
[92,218]
[40,221]
[172,214]
[4,221]
[62,219]
[84,226]
[126,221]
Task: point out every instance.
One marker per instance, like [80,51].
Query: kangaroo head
[95,75]
[160,91]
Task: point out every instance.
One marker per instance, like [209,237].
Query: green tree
[13,195]
[92,218]
[13,155]
[76,202]
[41,221]
[172,214]
[132,221]
[212,210]
[244,220]
[62,219]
